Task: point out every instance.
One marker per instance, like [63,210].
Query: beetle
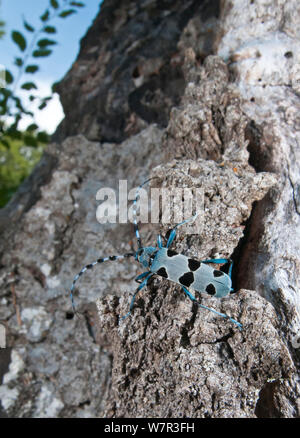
[178,268]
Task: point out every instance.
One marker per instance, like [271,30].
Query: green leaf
[44,101]
[30,140]
[14,127]
[54,4]
[49,29]
[42,105]
[45,15]
[3,100]
[28,113]
[19,39]
[54,86]
[5,92]
[8,77]
[19,62]
[14,134]
[5,143]
[2,28]
[32,127]
[3,109]
[29,86]
[31,68]
[43,137]
[65,14]
[18,104]
[28,26]
[41,52]
[78,4]
[46,42]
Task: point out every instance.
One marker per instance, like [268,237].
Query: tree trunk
[203,96]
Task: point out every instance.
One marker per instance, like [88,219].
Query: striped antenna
[135,225]
[91,266]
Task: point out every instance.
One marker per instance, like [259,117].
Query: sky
[70,30]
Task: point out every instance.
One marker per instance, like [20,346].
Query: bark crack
[297,209]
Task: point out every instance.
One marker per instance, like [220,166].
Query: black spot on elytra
[187,279]
[89,266]
[193,264]
[210,289]
[171,253]
[112,257]
[162,272]
[218,273]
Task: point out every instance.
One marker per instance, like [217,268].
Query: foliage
[33,44]
[2,31]
[2,26]
[16,163]
[39,45]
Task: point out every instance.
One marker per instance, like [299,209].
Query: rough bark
[145,97]
[265,63]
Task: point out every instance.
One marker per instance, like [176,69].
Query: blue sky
[69,32]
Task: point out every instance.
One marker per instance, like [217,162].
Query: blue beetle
[162,261]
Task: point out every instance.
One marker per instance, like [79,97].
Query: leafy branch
[2,26]
[39,46]
[2,31]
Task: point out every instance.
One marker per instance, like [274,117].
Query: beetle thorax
[146,256]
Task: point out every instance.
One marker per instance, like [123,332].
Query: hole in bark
[85,403]
[259,155]
[265,406]
[239,272]
[5,358]
[136,73]
[185,340]
[69,315]
[134,372]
